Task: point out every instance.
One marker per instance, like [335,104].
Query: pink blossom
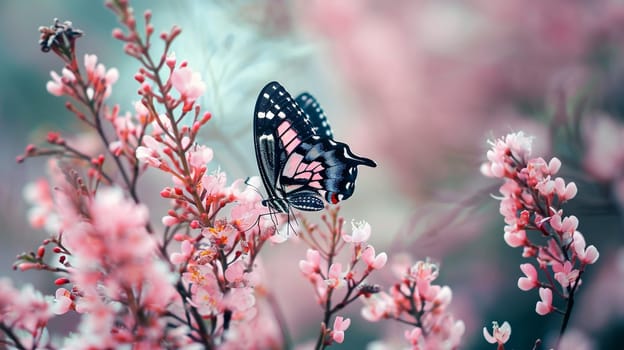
[140,110]
[414,297]
[563,191]
[214,183]
[100,79]
[55,87]
[443,297]
[24,309]
[545,186]
[530,281]
[361,232]
[311,264]
[414,337]
[62,302]
[515,237]
[188,83]
[374,262]
[42,214]
[544,306]
[150,153]
[112,253]
[97,72]
[587,255]
[554,165]
[565,274]
[240,300]
[565,227]
[516,144]
[340,326]
[500,335]
[424,271]
[186,249]
[58,85]
[199,156]
[378,306]
[116,147]
[206,296]
[235,273]
[161,126]
[335,279]
[509,206]
[89,62]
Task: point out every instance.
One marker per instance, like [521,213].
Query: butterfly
[300,163]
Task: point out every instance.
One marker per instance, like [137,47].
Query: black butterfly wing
[315,113]
[298,159]
[280,126]
[328,166]
[337,166]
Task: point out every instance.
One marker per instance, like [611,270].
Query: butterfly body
[299,161]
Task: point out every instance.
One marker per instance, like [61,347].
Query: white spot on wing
[267,137]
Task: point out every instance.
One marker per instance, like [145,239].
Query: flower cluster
[531,201]
[24,315]
[195,284]
[329,276]
[120,285]
[417,302]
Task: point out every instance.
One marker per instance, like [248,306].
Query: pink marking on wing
[288,136]
[290,168]
[292,188]
[290,147]
[305,175]
[285,125]
[302,167]
[317,176]
[315,184]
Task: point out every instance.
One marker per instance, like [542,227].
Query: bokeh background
[416,85]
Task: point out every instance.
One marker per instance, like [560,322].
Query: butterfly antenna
[248,183]
[272,213]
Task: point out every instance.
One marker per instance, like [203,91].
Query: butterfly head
[341,176]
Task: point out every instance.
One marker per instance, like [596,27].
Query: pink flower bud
[118,34]
[40,252]
[61,281]
[169,220]
[27,266]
